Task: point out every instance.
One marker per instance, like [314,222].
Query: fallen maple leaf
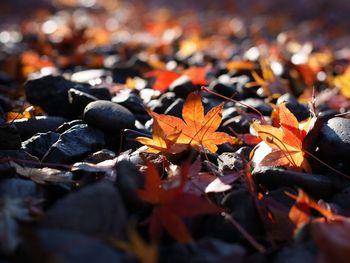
[163,78]
[300,213]
[145,253]
[171,205]
[196,129]
[270,83]
[197,75]
[160,142]
[285,141]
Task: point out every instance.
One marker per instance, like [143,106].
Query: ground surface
[141,132]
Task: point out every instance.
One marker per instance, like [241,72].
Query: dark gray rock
[58,245]
[96,210]
[334,140]
[50,93]
[203,251]
[133,103]
[225,87]
[314,184]
[300,111]
[29,127]
[162,103]
[78,100]
[77,142]
[129,139]
[9,137]
[40,143]
[128,181]
[20,188]
[342,200]
[67,125]
[239,124]
[101,156]
[182,86]
[258,104]
[297,253]
[175,109]
[108,116]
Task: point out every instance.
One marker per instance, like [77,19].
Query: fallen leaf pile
[158,131]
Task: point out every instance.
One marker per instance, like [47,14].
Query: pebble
[334,140]
[40,143]
[314,184]
[182,86]
[96,210]
[108,116]
[41,124]
[9,137]
[77,142]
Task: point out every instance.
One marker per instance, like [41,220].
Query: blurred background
[333,11]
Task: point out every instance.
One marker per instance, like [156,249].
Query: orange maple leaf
[300,213]
[285,141]
[270,83]
[160,142]
[196,129]
[171,205]
[197,74]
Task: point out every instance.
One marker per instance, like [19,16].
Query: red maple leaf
[171,205]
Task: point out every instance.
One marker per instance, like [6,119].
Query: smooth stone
[129,100]
[204,251]
[101,156]
[128,181]
[108,116]
[59,245]
[244,212]
[175,109]
[122,72]
[258,104]
[50,93]
[129,139]
[300,111]
[29,127]
[96,210]
[334,139]
[182,86]
[77,142]
[314,184]
[78,100]
[133,103]
[342,199]
[297,253]
[239,124]
[40,143]
[226,88]
[162,103]
[9,137]
[20,188]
